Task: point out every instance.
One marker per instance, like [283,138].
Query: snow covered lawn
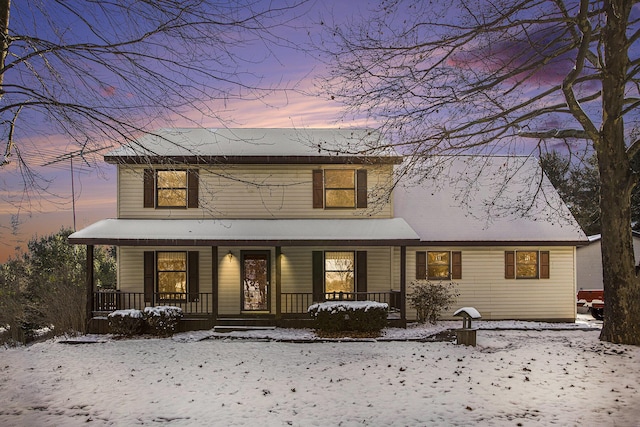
[532,376]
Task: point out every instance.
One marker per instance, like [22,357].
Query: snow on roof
[596,237]
[254,142]
[471,311]
[485,199]
[194,232]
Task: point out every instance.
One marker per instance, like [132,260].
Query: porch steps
[229,324]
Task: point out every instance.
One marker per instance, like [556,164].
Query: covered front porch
[249,276]
[201,313]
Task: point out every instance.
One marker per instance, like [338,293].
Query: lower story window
[438,265]
[526,265]
[172,275]
[339,273]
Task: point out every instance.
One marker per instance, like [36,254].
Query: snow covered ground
[523,374]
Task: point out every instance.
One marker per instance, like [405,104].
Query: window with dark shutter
[193,280]
[456,265]
[192,188]
[361,192]
[544,264]
[318,276]
[318,189]
[509,265]
[149,275]
[361,273]
[149,188]
[421,265]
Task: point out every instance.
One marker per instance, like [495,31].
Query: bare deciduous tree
[473,76]
[100,72]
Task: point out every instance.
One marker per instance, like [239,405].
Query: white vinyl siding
[278,191]
[484,287]
[297,268]
[296,271]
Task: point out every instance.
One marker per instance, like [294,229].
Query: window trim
[543,266]
[455,265]
[150,188]
[186,273]
[318,273]
[319,189]
[158,189]
[352,189]
[151,281]
[353,270]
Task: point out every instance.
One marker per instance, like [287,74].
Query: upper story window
[340,188]
[526,264]
[171,188]
[438,265]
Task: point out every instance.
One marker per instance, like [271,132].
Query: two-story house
[234,225]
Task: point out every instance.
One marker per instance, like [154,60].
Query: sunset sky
[285,61]
[95,190]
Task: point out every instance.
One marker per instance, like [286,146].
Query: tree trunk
[4,41]
[621,286]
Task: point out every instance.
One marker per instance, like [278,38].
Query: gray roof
[288,232]
[257,143]
[485,199]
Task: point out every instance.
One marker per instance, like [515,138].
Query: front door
[255,281]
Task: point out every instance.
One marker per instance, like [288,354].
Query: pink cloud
[107,90]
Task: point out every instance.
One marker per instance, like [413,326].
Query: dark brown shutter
[456,265]
[318,276]
[318,189]
[421,265]
[193,258]
[361,193]
[192,188]
[149,188]
[149,275]
[509,265]
[544,264]
[361,274]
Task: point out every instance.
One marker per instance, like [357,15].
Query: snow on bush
[126,322]
[162,320]
[363,316]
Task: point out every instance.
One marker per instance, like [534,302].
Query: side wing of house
[498,229]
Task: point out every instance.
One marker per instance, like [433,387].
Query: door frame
[267,254]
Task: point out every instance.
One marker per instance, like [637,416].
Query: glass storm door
[255,281]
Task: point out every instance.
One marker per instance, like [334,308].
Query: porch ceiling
[247,232]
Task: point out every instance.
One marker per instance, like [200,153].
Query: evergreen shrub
[361,316]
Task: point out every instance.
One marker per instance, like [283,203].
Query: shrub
[361,316]
[162,320]
[430,299]
[126,322]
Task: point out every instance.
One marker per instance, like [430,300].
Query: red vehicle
[593,300]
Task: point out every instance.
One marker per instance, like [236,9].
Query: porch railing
[298,302]
[107,301]
[292,303]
